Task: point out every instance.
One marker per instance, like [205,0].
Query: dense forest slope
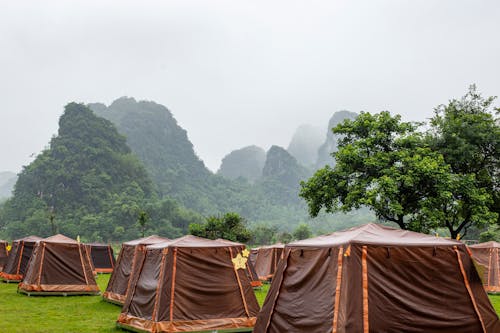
[89,182]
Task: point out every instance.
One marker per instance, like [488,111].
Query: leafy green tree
[467,133]
[230,226]
[491,234]
[302,232]
[283,237]
[263,234]
[447,177]
[382,163]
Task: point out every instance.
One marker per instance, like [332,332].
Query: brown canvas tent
[267,259]
[59,266]
[4,253]
[190,284]
[488,257]
[19,256]
[101,257]
[377,279]
[250,268]
[118,284]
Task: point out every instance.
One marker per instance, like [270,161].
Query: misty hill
[305,144]
[246,163]
[7,181]
[330,145]
[163,146]
[281,177]
[89,180]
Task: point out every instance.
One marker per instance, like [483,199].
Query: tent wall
[378,289]
[118,284]
[3,254]
[489,260]
[266,261]
[190,289]
[103,260]
[18,260]
[59,267]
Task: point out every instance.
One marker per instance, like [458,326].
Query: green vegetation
[446,177]
[177,173]
[229,226]
[88,183]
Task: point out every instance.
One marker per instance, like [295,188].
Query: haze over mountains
[97,173]
[7,182]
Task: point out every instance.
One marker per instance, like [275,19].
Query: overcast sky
[238,72]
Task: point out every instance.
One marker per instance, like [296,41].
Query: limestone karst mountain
[246,162]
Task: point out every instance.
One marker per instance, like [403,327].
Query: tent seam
[467,286]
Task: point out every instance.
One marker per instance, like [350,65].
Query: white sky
[238,72]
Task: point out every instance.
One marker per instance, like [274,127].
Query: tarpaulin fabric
[250,270]
[19,257]
[102,257]
[118,284]
[266,260]
[190,284]
[59,265]
[382,280]
[4,254]
[487,255]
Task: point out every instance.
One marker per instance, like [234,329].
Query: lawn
[20,313]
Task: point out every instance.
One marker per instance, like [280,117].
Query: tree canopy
[444,177]
[229,226]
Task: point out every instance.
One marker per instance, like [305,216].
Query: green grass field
[56,314]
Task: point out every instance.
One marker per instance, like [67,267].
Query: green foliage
[87,183]
[447,177]
[302,232]
[263,234]
[467,133]
[491,234]
[381,163]
[283,237]
[166,152]
[230,226]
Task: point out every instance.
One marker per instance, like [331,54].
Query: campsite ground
[22,314]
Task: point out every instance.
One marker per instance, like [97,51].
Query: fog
[236,73]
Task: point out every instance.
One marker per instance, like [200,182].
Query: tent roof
[154,239]
[192,241]
[31,238]
[59,238]
[375,234]
[485,245]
